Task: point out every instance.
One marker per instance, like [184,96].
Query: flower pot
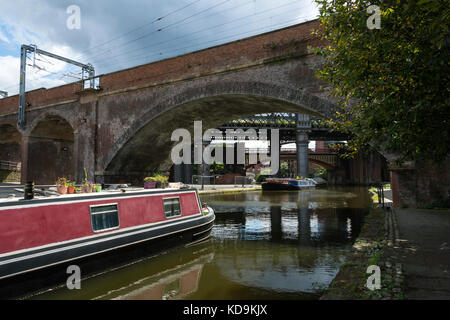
[70,190]
[149,185]
[161,185]
[86,189]
[61,189]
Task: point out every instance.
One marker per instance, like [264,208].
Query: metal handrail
[380,194]
[312,151]
[244,178]
[10,165]
[201,177]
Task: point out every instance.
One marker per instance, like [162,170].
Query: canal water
[264,245]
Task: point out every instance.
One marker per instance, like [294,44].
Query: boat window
[172,207]
[104,217]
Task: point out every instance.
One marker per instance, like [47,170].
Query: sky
[119,34]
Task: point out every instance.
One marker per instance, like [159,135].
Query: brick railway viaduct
[123,130]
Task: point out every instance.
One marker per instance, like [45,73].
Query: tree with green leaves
[392,82]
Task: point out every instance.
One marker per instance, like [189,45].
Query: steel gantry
[287,124]
[25,49]
[293,128]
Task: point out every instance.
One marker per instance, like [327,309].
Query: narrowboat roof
[124,192]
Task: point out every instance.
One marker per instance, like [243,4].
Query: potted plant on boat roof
[61,185]
[161,181]
[149,183]
[156,181]
[70,187]
[87,186]
[97,188]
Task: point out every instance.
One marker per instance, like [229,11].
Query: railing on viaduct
[10,165]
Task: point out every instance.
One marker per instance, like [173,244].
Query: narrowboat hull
[287,185]
[267,186]
[143,227]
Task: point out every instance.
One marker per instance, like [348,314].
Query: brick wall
[422,185]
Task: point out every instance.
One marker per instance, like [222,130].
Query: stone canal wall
[421,185]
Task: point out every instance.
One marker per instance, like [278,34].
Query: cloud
[9,71]
[3,37]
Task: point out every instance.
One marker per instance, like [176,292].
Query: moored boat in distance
[49,231]
[320,182]
[273,184]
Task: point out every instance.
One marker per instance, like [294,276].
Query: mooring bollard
[29,191]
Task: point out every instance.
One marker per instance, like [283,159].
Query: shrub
[157,178]
[261,178]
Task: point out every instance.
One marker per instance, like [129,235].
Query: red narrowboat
[48,231]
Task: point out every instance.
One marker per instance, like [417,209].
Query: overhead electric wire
[122,35]
[160,29]
[167,50]
[90,56]
[207,29]
[285,24]
[166,72]
[179,49]
[197,46]
[87,57]
[172,49]
[142,26]
[178,22]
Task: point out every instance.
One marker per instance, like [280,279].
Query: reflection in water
[304,217]
[286,241]
[171,275]
[277,245]
[176,283]
[279,269]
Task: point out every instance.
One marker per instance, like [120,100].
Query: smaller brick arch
[323,164]
[50,149]
[10,142]
[62,114]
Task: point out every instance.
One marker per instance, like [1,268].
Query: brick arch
[50,148]
[219,97]
[62,114]
[9,121]
[323,164]
[10,142]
